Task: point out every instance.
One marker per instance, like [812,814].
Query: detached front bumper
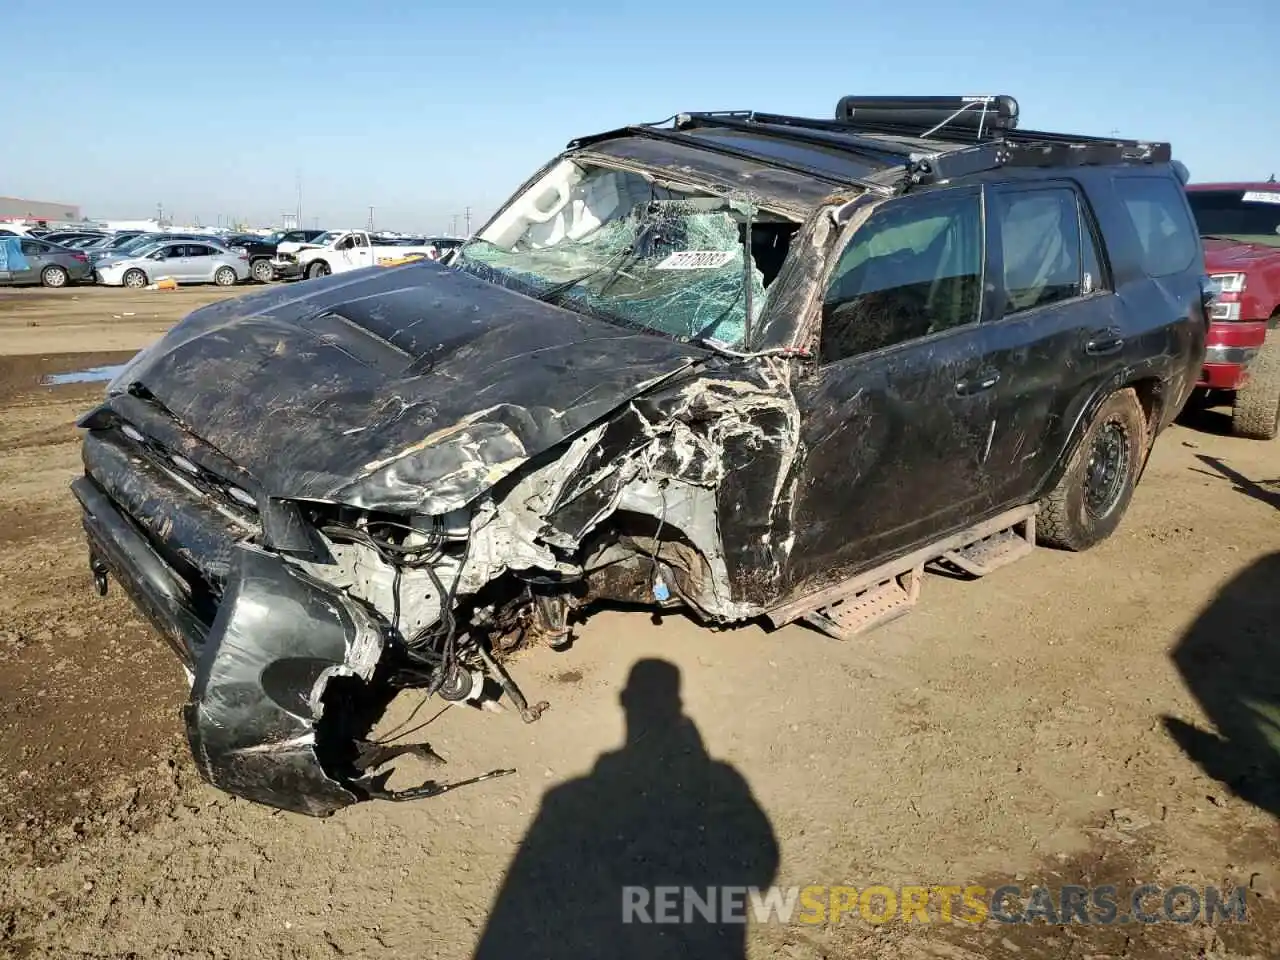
[262,639]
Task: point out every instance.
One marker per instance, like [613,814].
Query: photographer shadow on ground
[658,812]
[1230,661]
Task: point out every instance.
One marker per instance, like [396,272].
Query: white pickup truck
[340,251]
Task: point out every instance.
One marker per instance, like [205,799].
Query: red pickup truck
[1240,225]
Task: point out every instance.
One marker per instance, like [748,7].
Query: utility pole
[468,221]
[160,214]
[297,221]
[371,219]
[453,229]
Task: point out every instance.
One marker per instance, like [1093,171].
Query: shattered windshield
[614,244]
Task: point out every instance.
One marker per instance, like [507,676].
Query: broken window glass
[625,249]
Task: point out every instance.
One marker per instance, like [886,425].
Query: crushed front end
[261,640]
[325,493]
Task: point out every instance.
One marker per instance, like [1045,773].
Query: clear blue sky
[420,108]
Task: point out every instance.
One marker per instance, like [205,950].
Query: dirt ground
[1111,716]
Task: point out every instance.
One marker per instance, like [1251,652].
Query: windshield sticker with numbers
[1261,196]
[697,260]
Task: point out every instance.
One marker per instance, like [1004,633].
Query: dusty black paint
[423,389]
[249,721]
[362,370]
[155,587]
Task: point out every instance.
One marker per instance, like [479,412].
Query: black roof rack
[930,139]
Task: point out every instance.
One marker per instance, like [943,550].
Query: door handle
[1103,343]
[982,380]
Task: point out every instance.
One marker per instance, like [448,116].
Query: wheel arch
[1152,392]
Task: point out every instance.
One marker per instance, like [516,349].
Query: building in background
[15,208]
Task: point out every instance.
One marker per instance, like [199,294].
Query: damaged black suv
[749,365]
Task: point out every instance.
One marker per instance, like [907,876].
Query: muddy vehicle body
[745,365]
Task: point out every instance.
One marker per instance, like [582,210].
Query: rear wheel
[134,278]
[224,277]
[262,271]
[54,276]
[1255,409]
[318,269]
[1087,504]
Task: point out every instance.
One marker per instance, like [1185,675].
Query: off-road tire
[1066,519]
[224,277]
[134,279]
[317,269]
[262,271]
[1255,408]
[54,276]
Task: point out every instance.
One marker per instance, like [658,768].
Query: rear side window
[1040,237]
[1158,212]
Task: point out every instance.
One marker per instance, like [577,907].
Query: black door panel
[1057,335]
[894,453]
[896,423]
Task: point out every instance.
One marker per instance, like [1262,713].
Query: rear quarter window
[1157,208]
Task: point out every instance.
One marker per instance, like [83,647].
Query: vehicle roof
[1243,185]
[800,161]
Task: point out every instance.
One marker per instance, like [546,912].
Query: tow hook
[99,570]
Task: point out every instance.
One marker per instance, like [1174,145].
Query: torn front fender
[255,720]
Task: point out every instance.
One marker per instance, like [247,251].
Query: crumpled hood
[1227,256]
[413,388]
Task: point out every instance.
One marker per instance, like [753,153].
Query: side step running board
[890,590]
[991,553]
[872,607]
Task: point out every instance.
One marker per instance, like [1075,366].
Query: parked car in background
[349,250]
[63,237]
[113,242]
[83,243]
[30,260]
[287,263]
[1240,226]
[750,366]
[292,236]
[262,249]
[136,245]
[436,247]
[187,262]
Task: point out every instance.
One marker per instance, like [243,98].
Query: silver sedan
[187,262]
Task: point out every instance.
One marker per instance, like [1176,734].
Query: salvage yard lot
[1069,720]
